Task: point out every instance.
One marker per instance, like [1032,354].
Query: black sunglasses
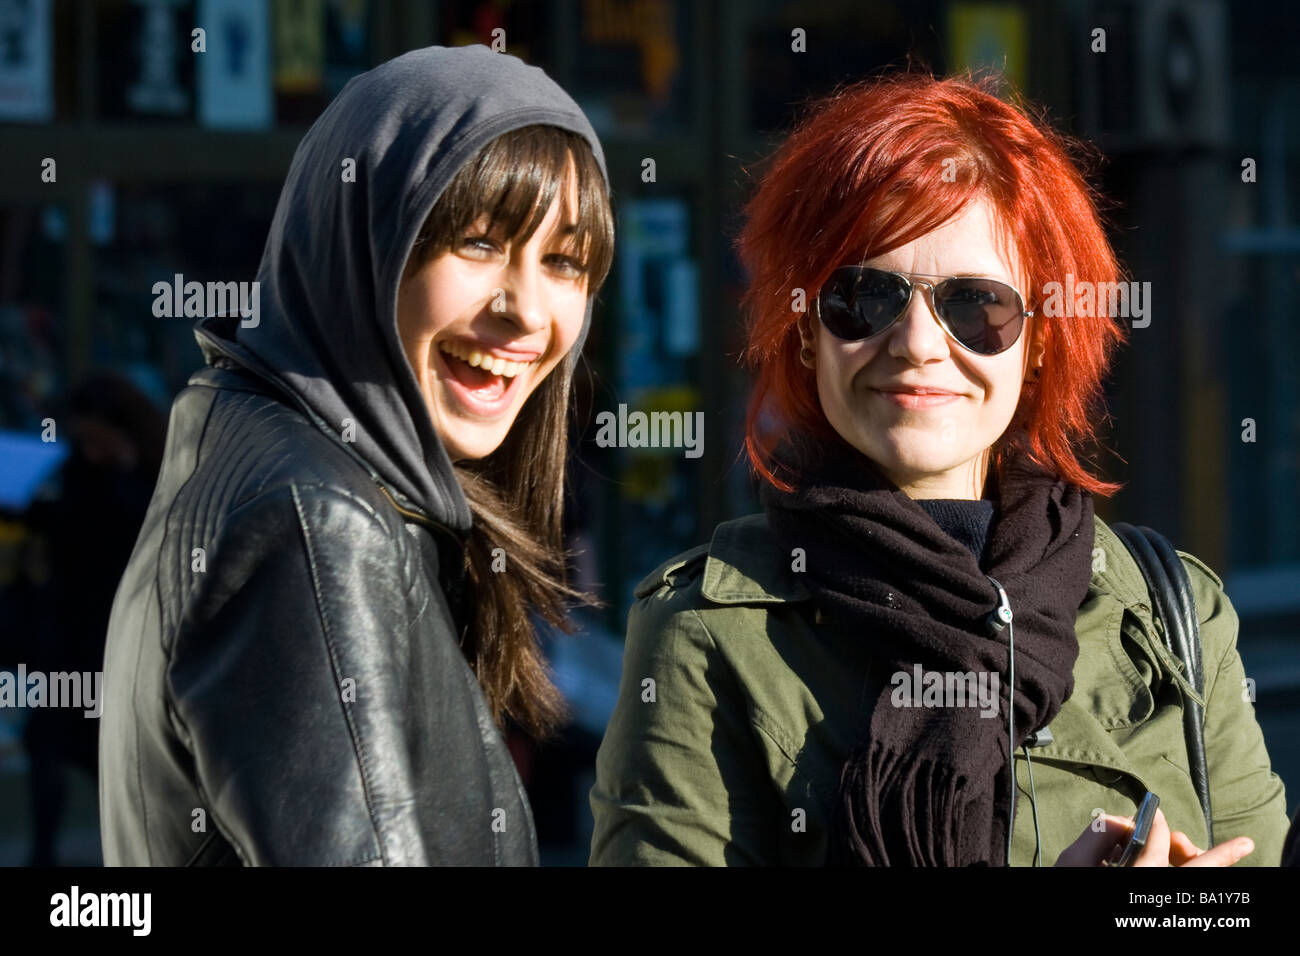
[984,316]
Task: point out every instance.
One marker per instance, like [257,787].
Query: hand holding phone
[1137,839]
[1147,843]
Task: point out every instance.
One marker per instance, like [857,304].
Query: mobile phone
[1141,830]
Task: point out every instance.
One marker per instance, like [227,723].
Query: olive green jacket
[738,706]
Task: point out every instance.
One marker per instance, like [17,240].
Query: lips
[492,361]
[918,397]
[481,383]
[915,390]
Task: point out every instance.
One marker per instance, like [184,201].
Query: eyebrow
[568,229]
[945,275]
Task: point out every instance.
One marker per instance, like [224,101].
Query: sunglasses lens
[858,303]
[984,315]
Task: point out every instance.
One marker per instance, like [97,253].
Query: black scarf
[929,786]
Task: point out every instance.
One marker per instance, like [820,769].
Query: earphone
[995,621]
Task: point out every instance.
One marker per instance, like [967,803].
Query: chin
[473,450]
[915,462]
[466,443]
[465,436]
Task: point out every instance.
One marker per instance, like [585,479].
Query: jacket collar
[230,366]
[1117,587]
[744,566]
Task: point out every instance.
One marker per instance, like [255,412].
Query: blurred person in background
[327,623]
[916,427]
[116,434]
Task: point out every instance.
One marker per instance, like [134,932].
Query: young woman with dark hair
[326,621]
[837,679]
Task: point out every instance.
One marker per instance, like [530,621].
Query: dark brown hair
[516,494]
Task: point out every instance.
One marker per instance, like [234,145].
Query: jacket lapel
[744,567]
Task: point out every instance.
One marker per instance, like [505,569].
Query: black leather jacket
[283,683]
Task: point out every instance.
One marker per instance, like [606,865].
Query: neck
[966,482]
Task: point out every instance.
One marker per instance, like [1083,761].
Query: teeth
[477,359]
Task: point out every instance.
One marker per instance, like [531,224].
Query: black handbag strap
[1175,607]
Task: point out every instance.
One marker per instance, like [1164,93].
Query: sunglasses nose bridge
[927,288]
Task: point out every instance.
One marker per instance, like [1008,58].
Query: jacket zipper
[417,516]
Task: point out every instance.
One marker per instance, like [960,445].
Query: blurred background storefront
[126,158]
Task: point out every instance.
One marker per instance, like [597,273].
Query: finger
[1225,854]
[1107,843]
[1156,852]
[1096,842]
[1182,849]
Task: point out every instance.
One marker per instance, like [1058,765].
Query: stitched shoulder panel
[1218,581]
[249,448]
[278,447]
[673,571]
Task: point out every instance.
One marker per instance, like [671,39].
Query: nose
[524,294]
[917,336]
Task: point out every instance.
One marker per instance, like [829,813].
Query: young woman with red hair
[838,679]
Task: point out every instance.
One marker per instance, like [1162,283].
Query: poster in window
[234,74]
[25,61]
[145,64]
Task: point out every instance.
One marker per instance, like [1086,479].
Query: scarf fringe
[940,799]
[930,788]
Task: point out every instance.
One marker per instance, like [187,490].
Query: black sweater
[963,520]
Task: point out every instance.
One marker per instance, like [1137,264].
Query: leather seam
[357,747]
[139,764]
[169,698]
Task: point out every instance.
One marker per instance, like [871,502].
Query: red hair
[882,163]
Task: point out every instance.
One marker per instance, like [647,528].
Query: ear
[1039,354]
[1036,353]
[807,338]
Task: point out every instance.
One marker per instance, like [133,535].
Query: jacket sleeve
[1246,797]
[285,670]
[679,779]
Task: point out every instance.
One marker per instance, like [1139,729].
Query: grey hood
[327,331]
